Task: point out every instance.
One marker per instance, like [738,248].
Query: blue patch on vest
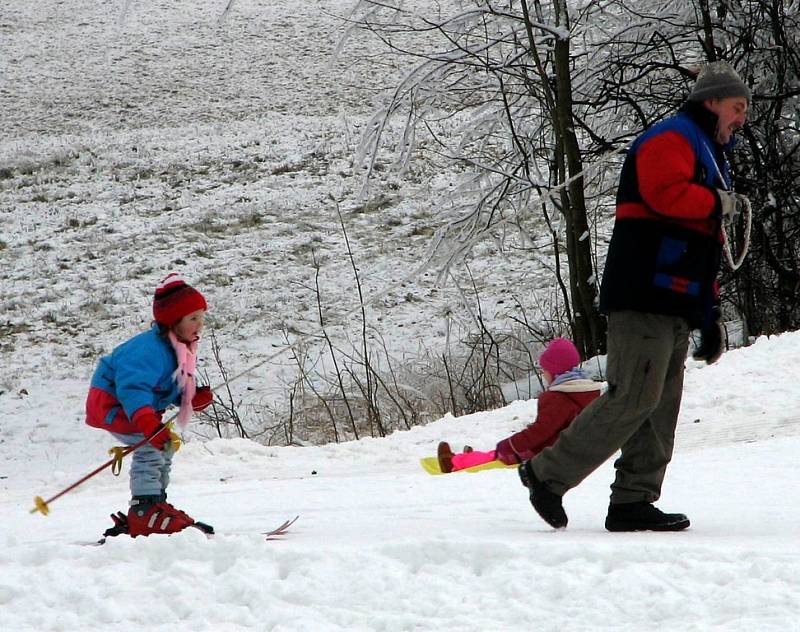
[670,251]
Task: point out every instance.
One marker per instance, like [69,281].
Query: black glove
[712,340]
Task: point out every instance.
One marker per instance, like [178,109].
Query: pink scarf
[184,375]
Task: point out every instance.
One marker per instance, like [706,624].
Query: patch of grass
[287,167]
[250,220]
[217,279]
[9,329]
[425,231]
[378,203]
[208,226]
[140,272]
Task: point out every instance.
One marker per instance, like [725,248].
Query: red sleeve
[665,166]
[553,414]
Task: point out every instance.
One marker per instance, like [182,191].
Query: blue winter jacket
[138,374]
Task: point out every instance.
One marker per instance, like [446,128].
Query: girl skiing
[568,392]
[131,389]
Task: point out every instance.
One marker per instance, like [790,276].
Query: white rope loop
[748,222]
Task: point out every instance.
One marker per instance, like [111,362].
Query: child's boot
[150,514]
[445,455]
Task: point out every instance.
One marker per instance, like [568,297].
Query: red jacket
[558,406]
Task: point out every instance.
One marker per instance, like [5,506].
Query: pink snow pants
[470,459]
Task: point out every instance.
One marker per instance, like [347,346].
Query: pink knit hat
[559,357]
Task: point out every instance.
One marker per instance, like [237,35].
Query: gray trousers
[637,415]
[150,468]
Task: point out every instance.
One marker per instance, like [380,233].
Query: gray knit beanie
[718,80]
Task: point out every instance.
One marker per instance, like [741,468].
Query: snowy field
[380,545]
[141,137]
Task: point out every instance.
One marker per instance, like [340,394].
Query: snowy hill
[147,137]
[156,138]
[380,545]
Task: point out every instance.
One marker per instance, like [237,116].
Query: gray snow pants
[637,415]
[150,467]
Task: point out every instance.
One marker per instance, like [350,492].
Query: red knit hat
[174,299]
[559,357]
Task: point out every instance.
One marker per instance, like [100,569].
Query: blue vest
[666,264]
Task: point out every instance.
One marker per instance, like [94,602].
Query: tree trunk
[589,328]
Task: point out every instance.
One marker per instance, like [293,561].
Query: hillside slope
[380,545]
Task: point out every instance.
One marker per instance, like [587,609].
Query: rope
[748,220]
[748,212]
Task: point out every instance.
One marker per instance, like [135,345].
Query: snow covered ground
[380,545]
[146,137]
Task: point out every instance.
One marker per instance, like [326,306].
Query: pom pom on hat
[174,299]
[718,80]
[559,357]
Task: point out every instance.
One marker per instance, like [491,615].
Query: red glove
[505,453]
[149,423]
[202,398]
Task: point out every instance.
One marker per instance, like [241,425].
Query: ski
[282,530]
[120,528]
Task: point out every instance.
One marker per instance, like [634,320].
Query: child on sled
[568,392]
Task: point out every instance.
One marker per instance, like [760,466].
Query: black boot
[546,503]
[643,516]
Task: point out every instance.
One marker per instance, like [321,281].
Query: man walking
[659,283]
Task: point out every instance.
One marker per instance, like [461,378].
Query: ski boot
[150,515]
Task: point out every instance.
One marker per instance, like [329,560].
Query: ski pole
[43,506]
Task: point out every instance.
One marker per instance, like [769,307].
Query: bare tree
[543,90]
[763,38]
[502,73]
[648,73]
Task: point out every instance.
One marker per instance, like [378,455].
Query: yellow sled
[431,465]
